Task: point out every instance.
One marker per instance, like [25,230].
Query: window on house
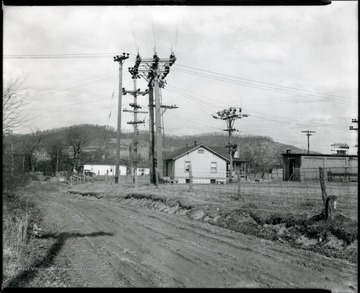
[187,164]
[200,151]
[213,167]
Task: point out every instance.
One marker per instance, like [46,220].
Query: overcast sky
[291,68]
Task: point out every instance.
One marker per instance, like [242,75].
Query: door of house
[291,169]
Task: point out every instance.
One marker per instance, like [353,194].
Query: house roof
[219,151]
[318,155]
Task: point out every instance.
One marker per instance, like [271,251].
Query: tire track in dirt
[150,248]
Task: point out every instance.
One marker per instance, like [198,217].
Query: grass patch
[20,247]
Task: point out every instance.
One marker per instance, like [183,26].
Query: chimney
[288,151]
[103,157]
[195,142]
[237,152]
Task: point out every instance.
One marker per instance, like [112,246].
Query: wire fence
[261,190]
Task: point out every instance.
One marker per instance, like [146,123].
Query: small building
[105,168]
[143,168]
[302,167]
[208,164]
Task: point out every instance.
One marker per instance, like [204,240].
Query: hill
[100,141]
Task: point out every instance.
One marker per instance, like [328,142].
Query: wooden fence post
[330,208]
[322,185]
[238,185]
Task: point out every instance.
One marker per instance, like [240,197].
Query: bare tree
[31,145]
[55,147]
[13,103]
[77,139]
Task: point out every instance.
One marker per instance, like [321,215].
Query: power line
[153,29]
[132,29]
[261,86]
[260,82]
[177,30]
[207,101]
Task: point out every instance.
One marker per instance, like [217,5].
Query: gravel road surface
[106,244]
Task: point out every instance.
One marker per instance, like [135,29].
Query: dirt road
[107,244]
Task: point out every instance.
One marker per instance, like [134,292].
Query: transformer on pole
[229,116]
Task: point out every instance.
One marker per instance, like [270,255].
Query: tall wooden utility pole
[154,71]
[121,60]
[136,111]
[152,135]
[230,115]
[159,140]
[308,134]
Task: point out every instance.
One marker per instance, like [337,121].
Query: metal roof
[219,151]
[318,155]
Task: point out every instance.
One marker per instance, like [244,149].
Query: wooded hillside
[70,147]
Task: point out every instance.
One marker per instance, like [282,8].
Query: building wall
[105,169]
[143,171]
[353,162]
[201,167]
[310,165]
[286,169]
[170,169]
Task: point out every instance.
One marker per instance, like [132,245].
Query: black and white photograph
[180,146]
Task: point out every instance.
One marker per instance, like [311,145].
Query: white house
[104,169]
[208,164]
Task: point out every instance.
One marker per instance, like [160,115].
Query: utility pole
[152,136]
[230,115]
[154,71]
[352,127]
[121,60]
[135,93]
[308,134]
[159,137]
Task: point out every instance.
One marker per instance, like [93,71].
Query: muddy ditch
[98,195]
[336,238]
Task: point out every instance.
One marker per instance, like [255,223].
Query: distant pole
[121,60]
[308,133]
[352,127]
[230,115]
